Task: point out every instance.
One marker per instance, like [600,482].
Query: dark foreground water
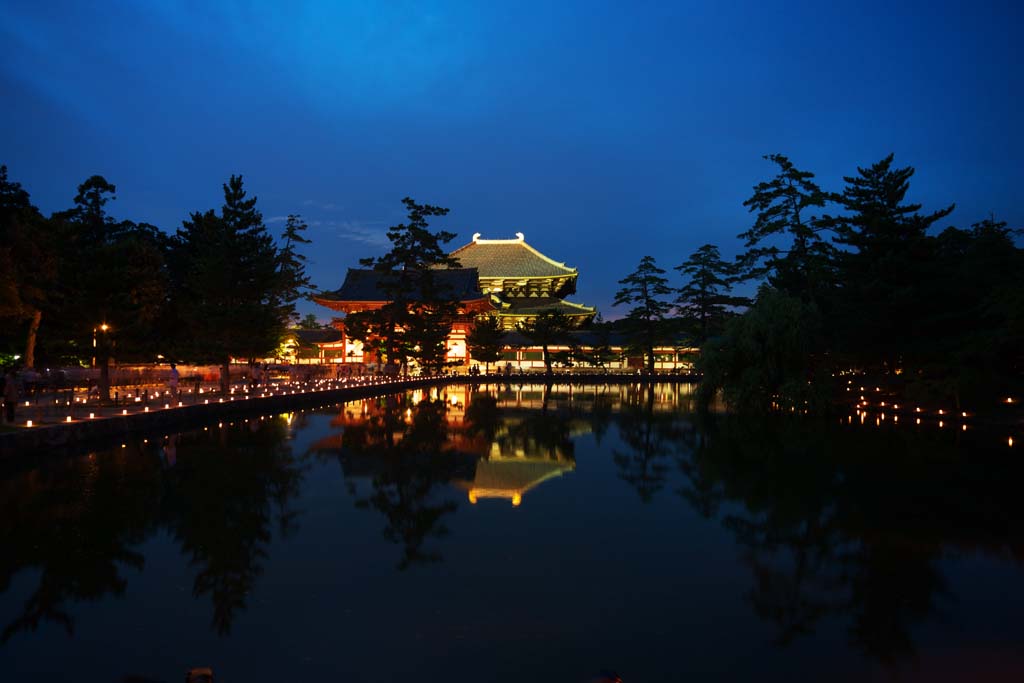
[519,535]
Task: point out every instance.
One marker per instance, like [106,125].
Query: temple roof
[371,285]
[535,305]
[509,259]
[322,336]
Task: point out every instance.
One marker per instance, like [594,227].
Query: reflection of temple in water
[496,453]
[504,441]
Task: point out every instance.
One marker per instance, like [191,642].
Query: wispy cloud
[372,233]
[323,206]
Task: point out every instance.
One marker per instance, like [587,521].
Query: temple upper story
[521,281]
[515,269]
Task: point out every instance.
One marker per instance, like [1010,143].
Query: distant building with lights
[504,278]
[522,282]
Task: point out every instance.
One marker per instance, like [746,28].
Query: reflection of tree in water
[77,520]
[602,414]
[651,437]
[409,465]
[222,504]
[483,417]
[849,524]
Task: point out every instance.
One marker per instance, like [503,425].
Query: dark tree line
[859,280]
[686,316]
[863,280]
[82,287]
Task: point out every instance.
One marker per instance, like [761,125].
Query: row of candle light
[331,384]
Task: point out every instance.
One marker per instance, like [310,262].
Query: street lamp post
[103,327]
[104,381]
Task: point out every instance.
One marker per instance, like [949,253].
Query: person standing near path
[172,381]
[10,395]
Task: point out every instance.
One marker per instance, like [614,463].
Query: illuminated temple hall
[521,281]
[506,278]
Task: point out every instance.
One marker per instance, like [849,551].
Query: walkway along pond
[136,418]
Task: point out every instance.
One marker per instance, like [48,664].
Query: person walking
[10,395]
[172,381]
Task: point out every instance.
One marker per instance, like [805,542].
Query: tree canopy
[645,289]
[414,323]
[705,301]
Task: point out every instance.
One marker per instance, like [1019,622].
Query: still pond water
[513,534]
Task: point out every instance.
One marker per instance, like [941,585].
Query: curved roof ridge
[550,260]
[518,241]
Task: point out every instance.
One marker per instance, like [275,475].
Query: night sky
[603,131]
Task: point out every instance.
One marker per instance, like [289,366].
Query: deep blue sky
[603,131]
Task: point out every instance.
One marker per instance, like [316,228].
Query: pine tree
[887,259]
[415,322]
[112,282]
[309,322]
[704,300]
[485,340]
[547,329]
[645,287]
[294,282]
[230,296]
[784,205]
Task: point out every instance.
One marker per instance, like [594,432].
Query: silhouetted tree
[28,262]
[294,284]
[645,287]
[548,329]
[768,355]
[784,204]
[230,289]
[309,322]
[485,340]
[110,273]
[704,300]
[415,322]
[888,256]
